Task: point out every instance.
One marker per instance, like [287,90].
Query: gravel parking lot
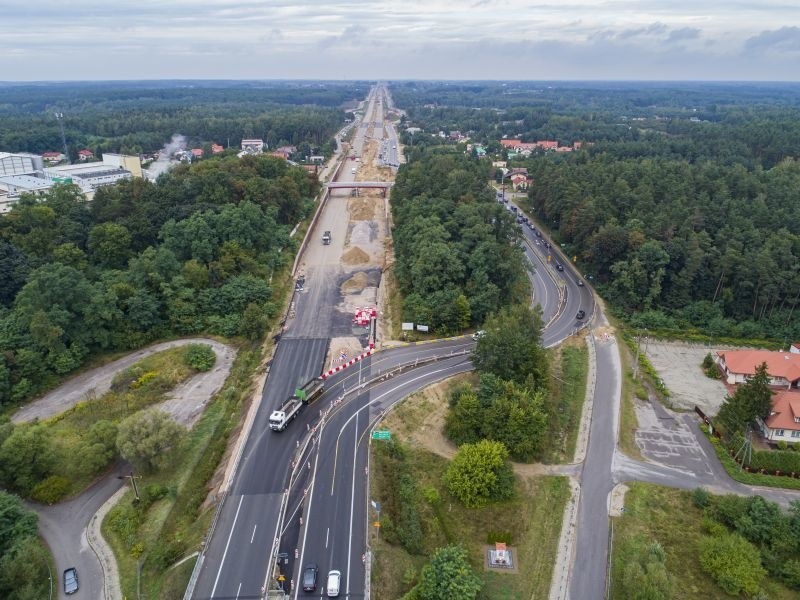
[678,364]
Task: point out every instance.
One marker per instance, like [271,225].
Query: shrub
[50,490]
[199,357]
[733,562]
[480,473]
[700,497]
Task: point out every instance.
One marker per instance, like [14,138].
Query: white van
[353,170]
[334,580]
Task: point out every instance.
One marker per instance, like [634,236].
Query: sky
[400,39]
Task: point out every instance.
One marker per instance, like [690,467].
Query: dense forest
[136,117]
[683,204]
[193,252]
[457,251]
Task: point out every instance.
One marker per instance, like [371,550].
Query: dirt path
[185,404]
[71,529]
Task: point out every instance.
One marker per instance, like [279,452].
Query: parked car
[310,578]
[70,581]
[580,315]
[334,583]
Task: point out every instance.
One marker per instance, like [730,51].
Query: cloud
[684,33]
[689,39]
[785,39]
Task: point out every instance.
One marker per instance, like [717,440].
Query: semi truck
[303,395]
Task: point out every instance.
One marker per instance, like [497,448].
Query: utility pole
[60,119]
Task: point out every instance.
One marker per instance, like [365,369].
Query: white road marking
[227,545]
[327,535]
[252,537]
[352,503]
[238,590]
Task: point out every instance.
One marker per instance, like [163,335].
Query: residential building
[739,365]
[84,155]
[216,148]
[253,146]
[783,423]
[53,157]
[197,153]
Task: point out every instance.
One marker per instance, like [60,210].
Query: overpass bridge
[357,185]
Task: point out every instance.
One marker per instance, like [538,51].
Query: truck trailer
[305,394]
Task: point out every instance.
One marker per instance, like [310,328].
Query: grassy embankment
[668,516]
[138,387]
[531,522]
[171,520]
[570,364]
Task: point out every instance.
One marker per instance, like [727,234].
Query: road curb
[588,404]
[101,549]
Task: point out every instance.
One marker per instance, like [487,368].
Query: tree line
[458,254]
[676,244]
[135,118]
[193,252]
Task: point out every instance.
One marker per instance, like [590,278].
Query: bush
[480,473]
[733,562]
[50,490]
[700,497]
[199,357]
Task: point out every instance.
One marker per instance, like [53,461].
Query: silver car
[334,582]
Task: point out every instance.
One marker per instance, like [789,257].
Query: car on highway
[334,583]
[70,581]
[580,282]
[580,315]
[559,266]
[478,334]
[310,578]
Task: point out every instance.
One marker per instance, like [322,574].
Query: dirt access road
[185,404]
[349,270]
[65,527]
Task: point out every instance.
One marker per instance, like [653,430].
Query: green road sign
[381,435]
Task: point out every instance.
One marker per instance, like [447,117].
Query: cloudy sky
[391,39]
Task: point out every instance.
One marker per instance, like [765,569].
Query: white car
[478,334]
[334,581]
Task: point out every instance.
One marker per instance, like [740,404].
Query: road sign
[377,524]
[381,435]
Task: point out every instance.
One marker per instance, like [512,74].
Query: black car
[580,315]
[559,266]
[310,578]
[70,581]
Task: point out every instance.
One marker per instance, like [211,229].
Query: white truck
[303,395]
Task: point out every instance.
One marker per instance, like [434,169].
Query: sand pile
[361,209]
[355,284]
[355,256]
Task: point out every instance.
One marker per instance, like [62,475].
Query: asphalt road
[63,527]
[589,573]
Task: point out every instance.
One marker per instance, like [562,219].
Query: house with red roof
[783,422]
[216,148]
[739,365]
[85,154]
[53,157]
[197,153]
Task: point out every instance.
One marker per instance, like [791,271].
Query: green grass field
[668,516]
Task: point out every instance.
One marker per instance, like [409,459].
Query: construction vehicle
[303,395]
[326,238]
